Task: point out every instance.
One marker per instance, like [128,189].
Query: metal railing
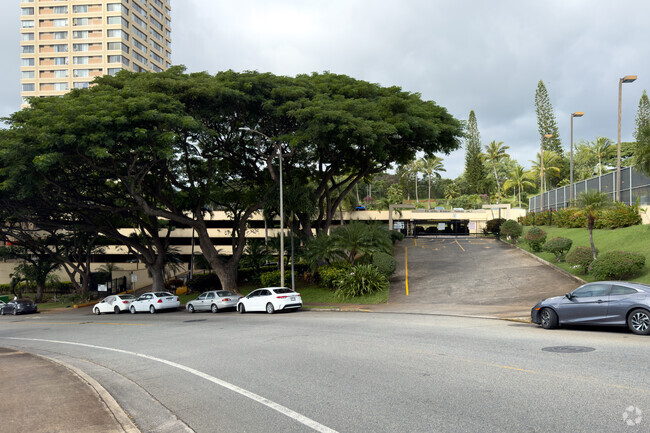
[634,185]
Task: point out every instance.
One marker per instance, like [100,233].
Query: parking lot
[475,276]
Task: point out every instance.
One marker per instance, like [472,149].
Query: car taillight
[178,299]
[160,301]
[226,299]
[125,302]
[282,297]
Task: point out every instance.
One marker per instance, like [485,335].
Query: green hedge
[535,237]
[385,263]
[558,246]
[580,258]
[617,265]
[273,278]
[620,215]
[331,275]
[512,230]
[204,282]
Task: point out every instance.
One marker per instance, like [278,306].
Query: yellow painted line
[416,241]
[458,243]
[406,268]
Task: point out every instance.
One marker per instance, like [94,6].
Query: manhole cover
[197,320]
[568,349]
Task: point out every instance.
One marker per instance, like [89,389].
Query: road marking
[35,322]
[241,391]
[406,268]
[458,243]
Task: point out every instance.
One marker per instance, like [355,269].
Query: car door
[106,305]
[142,303]
[209,300]
[199,304]
[252,301]
[265,297]
[587,304]
[621,299]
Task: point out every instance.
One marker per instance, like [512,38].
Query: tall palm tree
[451,191]
[432,166]
[494,153]
[414,168]
[551,167]
[602,148]
[590,202]
[519,179]
[403,173]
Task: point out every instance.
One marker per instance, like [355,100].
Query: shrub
[361,280]
[512,230]
[173,284]
[620,215]
[617,265]
[273,278]
[535,237]
[580,258]
[396,236]
[494,226]
[558,246]
[252,274]
[385,263]
[331,275]
[203,282]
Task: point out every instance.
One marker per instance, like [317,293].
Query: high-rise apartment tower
[65,44]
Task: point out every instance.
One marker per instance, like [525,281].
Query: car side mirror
[568,296]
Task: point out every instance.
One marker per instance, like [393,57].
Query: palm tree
[602,148]
[403,173]
[414,168]
[323,249]
[591,202]
[432,165]
[518,180]
[551,166]
[494,153]
[451,191]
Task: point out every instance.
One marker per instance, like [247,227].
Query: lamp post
[541,172]
[625,79]
[576,114]
[279,150]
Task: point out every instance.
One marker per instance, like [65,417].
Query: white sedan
[114,304]
[214,300]
[155,301]
[270,299]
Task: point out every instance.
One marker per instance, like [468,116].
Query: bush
[203,282]
[273,278]
[512,230]
[252,274]
[330,276]
[580,258]
[558,246]
[620,215]
[385,263]
[617,265]
[173,284]
[361,280]
[494,226]
[535,237]
[396,236]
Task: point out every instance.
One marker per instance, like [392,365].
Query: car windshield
[223,293]
[283,290]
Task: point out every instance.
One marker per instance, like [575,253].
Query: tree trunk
[417,198]
[158,280]
[40,288]
[429,192]
[496,179]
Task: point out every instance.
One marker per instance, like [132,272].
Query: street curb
[121,417]
[541,260]
[87,304]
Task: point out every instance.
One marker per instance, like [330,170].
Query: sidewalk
[42,396]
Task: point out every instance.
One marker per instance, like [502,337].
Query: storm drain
[568,349]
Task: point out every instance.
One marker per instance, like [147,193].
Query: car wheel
[96,311]
[117,310]
[190,308]
[2,312]
[269,308]
[639,322]
[152,309]
[132,309]
[549,319]
[214,308]
[241,308]
[15,312]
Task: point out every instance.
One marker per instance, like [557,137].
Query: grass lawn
[633,239]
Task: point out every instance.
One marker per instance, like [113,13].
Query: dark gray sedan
[609,303]
[19,306]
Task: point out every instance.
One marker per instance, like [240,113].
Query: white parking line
[266,402]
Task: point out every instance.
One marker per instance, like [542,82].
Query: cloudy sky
[486,56]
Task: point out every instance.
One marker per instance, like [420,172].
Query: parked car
[611,303]
[114,304]
[270,299]
[18,306]
[154,301]
[360,208]
[214,301]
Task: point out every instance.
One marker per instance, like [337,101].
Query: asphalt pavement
[468,277]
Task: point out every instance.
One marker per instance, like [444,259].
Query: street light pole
[576,114]
[541,172]
[625,79]
[279,150]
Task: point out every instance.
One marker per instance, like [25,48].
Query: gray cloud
[485,56]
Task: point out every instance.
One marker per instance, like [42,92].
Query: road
[347,371]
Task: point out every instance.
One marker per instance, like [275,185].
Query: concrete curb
[121,417]
[541,260]
[87,304]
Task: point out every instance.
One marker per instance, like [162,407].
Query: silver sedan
[609,303]
[215,301]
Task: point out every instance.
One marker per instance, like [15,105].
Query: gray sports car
[610,303]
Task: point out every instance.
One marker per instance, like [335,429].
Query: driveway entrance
[471,276]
